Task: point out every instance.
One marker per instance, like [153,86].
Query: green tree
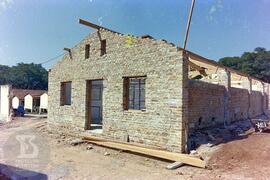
[25,76]
[256,63]
[3,74]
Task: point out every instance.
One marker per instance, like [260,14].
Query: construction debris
[211,136]
[175,165]
[76,142]
[260,123]
[214,136]
[193,152]
[89,147]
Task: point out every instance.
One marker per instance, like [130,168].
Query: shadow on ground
[10,172]
[217,135]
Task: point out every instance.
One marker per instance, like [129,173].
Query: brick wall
[239,104]
[206,104]
[256,103]
[162,124]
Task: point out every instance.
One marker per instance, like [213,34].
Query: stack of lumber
[178,157]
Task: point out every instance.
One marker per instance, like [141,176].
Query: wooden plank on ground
[94,138]
[184,158]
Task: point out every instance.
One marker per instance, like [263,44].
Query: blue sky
[37,30]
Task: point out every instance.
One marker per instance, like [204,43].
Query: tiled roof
[21,93]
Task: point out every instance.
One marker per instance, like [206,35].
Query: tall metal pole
[188,24]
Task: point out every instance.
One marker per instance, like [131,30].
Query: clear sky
[37,30]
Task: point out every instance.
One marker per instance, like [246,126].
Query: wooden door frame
[88,110]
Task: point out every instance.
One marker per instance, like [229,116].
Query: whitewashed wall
[44,101]
[15,102]
[28,102]
[4,102]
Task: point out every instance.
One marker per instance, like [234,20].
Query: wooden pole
[188,24]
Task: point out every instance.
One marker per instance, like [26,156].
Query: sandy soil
[246,158]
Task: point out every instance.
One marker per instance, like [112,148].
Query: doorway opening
[94,105]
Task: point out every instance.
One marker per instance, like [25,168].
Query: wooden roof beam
[86,23]
[92,25]
[198,68]
[199,58]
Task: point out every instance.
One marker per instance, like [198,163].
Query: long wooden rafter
[95,26]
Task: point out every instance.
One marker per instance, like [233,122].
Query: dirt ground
[243,158]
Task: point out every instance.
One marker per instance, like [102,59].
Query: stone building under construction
[147,91]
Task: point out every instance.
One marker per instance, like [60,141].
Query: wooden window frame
[126,89]
[63,100]
[125,93]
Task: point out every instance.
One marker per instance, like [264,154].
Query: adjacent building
[29,99]
[44,102]
[18,97]
[32,100]
[5,103]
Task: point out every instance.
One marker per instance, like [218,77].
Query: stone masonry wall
[161,124]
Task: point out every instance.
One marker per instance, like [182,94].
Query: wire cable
[51,59]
